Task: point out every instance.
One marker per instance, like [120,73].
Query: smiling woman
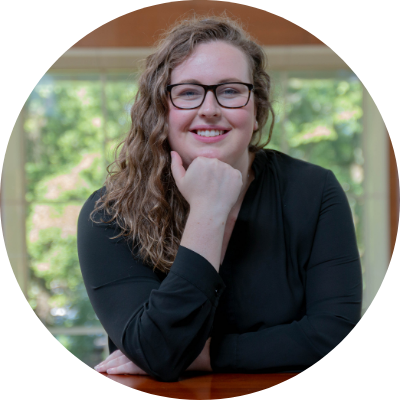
[203,251]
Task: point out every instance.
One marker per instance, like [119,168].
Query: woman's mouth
[209,136]
[209,133]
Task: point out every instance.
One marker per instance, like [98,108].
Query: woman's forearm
[211,187]
[204,232]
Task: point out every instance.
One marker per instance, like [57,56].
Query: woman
[203,251]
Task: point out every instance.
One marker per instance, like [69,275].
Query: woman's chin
[210,153]
[227,157]
[207,154]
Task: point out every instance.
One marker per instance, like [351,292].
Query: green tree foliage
[71,123]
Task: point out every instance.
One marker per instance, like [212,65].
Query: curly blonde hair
[141,196]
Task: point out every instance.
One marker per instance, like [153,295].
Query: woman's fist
[208,184]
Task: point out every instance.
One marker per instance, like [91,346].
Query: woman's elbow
[163,370]
[330,331]
[161,367]
[166,374]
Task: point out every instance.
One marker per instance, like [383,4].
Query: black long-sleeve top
[288,291]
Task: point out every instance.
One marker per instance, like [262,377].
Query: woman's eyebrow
[220,81]
[230,80]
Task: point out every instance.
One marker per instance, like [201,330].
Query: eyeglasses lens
[191,96]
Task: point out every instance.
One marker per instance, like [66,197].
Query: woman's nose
[210,106]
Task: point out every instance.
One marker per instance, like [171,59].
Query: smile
[209,133]
[209,136]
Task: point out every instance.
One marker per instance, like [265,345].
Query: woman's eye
[188,93]
[229,92]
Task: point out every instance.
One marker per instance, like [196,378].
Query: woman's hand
[118,363]
[211,187]
[208,184]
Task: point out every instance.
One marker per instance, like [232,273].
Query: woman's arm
[211,187]
[333,294]
[162,325]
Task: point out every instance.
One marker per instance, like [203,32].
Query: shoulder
[294,176]
[105,253]
[96,229]
[303,187]
[293,169]
[94,197]
[88,214]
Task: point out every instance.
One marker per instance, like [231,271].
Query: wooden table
[197,385]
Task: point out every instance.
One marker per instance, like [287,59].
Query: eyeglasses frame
[208,88]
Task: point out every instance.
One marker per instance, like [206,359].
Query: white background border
[35,33]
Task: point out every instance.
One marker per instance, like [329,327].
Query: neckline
[258,162]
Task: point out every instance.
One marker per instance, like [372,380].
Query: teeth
[210,133]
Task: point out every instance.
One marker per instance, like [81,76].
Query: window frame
[376,229]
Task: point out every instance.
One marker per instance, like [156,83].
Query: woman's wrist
[204,234]
[213,215]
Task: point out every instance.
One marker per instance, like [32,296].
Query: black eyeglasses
[187,96]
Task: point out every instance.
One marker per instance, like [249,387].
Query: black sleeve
[161,325]
[333,295]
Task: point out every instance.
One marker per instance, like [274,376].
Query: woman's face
[210,64]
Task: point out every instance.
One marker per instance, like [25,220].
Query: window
[76,115]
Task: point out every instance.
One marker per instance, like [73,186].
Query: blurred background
[68,128]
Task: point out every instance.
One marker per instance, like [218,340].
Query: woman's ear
[255,125]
